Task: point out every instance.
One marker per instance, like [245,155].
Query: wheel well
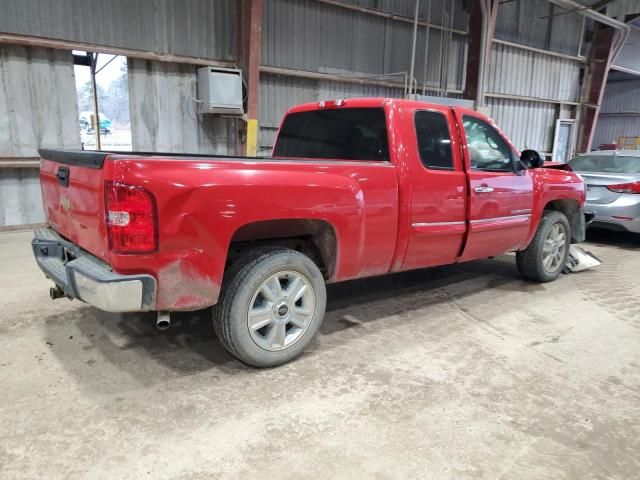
[566,206]
[315,238]
[571,209]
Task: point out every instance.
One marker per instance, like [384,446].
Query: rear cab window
[334,133]
[434,140]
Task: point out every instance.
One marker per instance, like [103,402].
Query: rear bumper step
[81,275]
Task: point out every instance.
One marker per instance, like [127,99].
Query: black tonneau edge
[82,158]
[96,158]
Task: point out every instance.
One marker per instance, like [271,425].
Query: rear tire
[271,306]
[546,255]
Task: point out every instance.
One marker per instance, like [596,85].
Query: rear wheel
[271,306]
[546,255]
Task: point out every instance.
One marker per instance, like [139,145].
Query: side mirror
[531,159]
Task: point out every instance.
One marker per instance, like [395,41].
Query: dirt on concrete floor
[451,373]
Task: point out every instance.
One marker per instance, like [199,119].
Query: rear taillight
[131,218]
[632,187]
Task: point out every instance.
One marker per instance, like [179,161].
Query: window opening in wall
[106,75]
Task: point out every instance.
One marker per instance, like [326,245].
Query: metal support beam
[249,51]
[539,51]
[622,28]
[19,228]
[593,84]
[19,162]
[412,81]
[342,78]
[524,98]
[389,16]
[482,23]
[96,110]
[31,41]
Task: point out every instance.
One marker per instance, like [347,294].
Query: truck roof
[370,102]
[379,102]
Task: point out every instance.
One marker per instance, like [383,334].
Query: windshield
[606,164]
[341,133]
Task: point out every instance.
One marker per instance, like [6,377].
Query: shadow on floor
[610,238]
[130,343]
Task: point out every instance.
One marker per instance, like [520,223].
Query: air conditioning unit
[220,91]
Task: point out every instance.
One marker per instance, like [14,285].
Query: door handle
[63,176]
[484,189]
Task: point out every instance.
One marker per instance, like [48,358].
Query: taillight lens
[131,218]
[632,187]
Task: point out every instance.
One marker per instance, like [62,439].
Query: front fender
[562,190]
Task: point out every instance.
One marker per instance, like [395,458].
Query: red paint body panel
[437,198]
[386,216]
[84,224]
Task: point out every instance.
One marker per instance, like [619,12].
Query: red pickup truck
[354,188]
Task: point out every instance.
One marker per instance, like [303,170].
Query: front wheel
[271,306]
[546,255]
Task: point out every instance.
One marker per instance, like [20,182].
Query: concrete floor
[458,373]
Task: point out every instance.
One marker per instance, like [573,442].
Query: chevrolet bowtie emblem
[65,204]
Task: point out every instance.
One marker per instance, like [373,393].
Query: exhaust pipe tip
[163,321]
[56,292]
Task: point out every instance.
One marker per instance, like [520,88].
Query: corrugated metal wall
[519,72]
[316,37]
[312,36]
[526,73]
[38,108]
[305,35]
[530,74]
[622,96]
[539,24]
[38,105]
[195,28]
[164,118]
[628,58]
[278,93]
[621,8]
[620,112]
[527,124]
[406,8]
[20,197]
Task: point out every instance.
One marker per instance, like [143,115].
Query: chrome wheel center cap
[282,310]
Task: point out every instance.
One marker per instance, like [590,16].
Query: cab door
[500,198]
[438,189]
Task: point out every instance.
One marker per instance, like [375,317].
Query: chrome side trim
[507,217]
[436,224]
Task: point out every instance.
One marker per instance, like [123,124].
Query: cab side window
[434,141]
[487,149]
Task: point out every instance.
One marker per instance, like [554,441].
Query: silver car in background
[613,187]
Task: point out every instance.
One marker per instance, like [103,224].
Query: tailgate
[73,196]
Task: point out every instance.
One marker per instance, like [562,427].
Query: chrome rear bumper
[81,275]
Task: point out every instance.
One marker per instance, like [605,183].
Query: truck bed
[204,203]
